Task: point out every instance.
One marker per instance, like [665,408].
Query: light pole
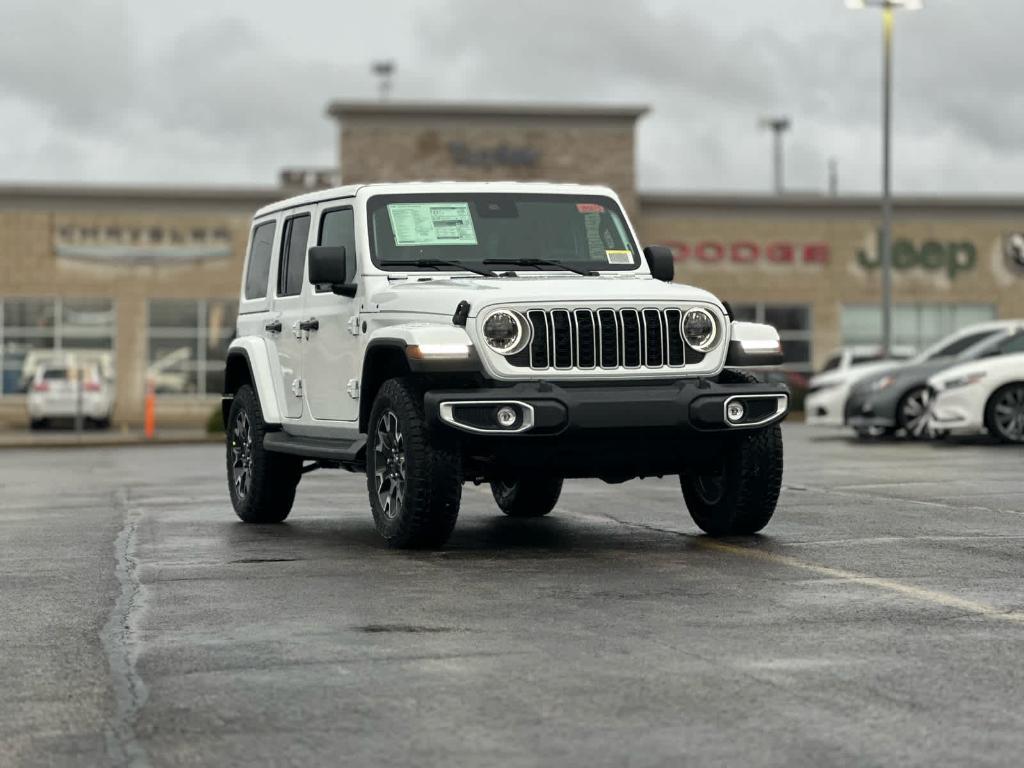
[778,126]
[885,240]
[384,70]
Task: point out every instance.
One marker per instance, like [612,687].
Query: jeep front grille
[589,339]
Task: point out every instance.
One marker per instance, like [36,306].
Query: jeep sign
[932,256]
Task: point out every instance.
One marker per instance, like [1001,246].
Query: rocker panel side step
[344,451]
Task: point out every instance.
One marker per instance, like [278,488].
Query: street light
[885,241]
[778,126]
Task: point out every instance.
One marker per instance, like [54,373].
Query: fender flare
[257,358]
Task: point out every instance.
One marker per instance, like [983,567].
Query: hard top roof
[426,187]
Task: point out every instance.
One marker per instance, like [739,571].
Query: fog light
[506,416]
[735,412]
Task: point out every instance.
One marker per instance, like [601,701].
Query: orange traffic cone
[150,410]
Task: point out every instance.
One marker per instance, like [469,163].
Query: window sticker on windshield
[619,257]
[589,208]
[416,224]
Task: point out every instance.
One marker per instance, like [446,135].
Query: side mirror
[661,261]
[332,265]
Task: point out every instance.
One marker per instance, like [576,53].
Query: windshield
[499,231]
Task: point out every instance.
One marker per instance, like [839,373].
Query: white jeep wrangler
[513,334]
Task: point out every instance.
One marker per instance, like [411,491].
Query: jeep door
[331,359]
[288,309]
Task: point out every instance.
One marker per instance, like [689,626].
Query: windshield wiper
[538,263]
[437,264]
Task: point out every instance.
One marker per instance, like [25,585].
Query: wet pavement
[878,621]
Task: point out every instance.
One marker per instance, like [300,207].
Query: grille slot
[605,338]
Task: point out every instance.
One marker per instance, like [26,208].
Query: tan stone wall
[29,267]
[583,150]
[841,280]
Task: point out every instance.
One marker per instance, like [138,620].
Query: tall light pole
[385,71]
[885,240]
[778,126]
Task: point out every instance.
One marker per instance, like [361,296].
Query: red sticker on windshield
[589,208]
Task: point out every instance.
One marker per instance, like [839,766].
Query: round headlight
[699,329]
[505,332]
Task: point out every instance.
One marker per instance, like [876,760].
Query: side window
[1013,344]
[338,227]
[958,346]
[293,256]
[258,274]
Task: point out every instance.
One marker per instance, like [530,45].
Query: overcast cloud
[226,93]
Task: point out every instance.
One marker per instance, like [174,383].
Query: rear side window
[258,275]
[338,228]
[293,256]
[958,346]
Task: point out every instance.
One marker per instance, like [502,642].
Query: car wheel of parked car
[262,483]
[527,497]
[1004,414]
[415,486]
[738,495]
[912,414]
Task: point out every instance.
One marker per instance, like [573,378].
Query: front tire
[415,486]
[737,497]
[913,413]
[262,484]
[527,497]
[1004,414]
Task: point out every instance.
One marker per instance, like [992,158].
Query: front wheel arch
[989,413]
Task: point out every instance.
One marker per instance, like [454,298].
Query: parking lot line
[917,593]
[920,594]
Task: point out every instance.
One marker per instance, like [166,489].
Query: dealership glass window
[37,331]
[793,322]
[188,341]
[913,325]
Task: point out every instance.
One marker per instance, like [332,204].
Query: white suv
[515,334]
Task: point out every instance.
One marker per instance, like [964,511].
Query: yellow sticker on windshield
[432,224]
[619,257]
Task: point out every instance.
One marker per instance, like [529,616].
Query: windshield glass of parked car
[494,231]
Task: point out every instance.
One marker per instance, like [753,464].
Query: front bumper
[546,409]
[824,408]
[868,409]
[957,410]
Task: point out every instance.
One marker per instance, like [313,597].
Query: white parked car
[503,333]
[825,403]
[60,392]
[981,396]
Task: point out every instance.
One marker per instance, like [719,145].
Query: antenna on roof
[385,71]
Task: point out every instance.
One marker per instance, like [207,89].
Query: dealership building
[142,283]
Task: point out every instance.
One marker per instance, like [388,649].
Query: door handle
[274,327]
[310,325]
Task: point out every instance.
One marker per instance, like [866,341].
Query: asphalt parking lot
[879,621]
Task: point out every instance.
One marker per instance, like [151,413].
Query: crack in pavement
[120,642]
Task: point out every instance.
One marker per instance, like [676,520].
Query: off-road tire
[269,492]
[425,515]
[527,497]
[747,480]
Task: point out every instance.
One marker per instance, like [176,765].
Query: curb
[86,441]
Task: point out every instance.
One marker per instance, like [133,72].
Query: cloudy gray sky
[226,92]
